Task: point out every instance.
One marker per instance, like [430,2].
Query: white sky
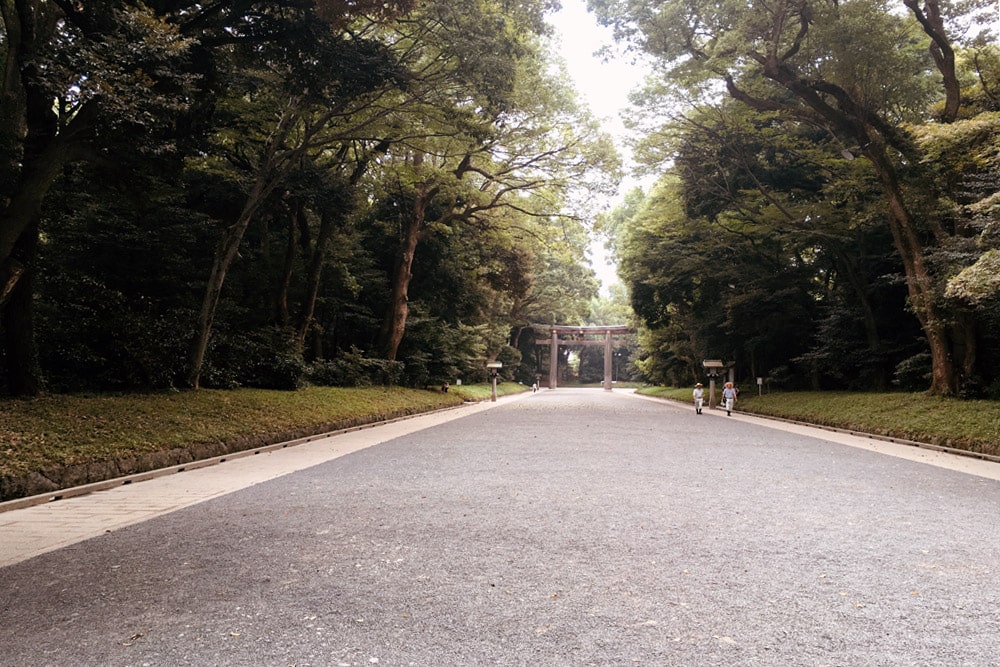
[604,86]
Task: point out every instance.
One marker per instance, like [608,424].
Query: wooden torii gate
[580,336]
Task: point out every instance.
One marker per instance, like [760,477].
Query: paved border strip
[971,463]
[858,434]
[104,485]
[885,438]
[34,530]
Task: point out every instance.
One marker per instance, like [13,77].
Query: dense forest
[241,193]
[827,209]
[346,192]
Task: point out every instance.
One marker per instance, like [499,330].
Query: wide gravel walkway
[564,528]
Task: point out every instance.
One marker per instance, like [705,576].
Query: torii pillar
[608,379]
[554,359]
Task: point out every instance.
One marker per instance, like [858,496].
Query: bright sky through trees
[604,83]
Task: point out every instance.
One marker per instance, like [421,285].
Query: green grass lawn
[64,430]
[58,431]
[969,425]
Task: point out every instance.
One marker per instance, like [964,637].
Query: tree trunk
[282,313]
[871,134]
[47,149]
[10,274]
[919,282]
[327,225]
[25,204]
[515,340]
[225,253]
[35,152]
[966,336]
[932,22]
[848,268]
[21,356]
[273,166]
[394,324]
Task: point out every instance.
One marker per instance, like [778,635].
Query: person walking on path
[699,396]
[729,397]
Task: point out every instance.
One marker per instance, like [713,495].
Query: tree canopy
[827,192]
[250,193]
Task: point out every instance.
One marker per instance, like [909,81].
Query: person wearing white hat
[699,396]
[729,397]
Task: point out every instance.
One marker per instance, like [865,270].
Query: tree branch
[942,52]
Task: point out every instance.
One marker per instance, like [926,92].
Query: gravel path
[568,528]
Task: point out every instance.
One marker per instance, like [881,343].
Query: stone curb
[69,481]
[860,434]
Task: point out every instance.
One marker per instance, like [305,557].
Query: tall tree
[506,146]
[324,95]
[788,181]
[79,76]
[70,77]
[798,58]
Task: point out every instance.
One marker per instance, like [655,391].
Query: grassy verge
[483,392]
[83,432]
[52,431]
[968,425]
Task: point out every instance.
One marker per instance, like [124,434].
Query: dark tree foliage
[767,254]
[167,160]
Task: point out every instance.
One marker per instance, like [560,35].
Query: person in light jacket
[729,394]
[699,396]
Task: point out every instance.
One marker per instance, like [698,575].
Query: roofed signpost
[713,366]
[493,368]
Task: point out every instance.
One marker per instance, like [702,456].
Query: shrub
[914,373]
[353,369]
[417,370]
[265,358]
[993,391]
[107,346]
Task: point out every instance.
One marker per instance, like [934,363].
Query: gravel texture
[568,528]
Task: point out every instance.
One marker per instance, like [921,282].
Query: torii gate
[581,336]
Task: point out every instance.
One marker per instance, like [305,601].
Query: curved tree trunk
[225,253]
[329,221]
[38,174]
[932,22]
[872,134]
[273,167]
[23,373]
[35,152]
[394,324]
[327,225]
[919,283]
[47,149]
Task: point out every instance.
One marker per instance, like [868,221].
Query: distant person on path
[729,397]
[699,396]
